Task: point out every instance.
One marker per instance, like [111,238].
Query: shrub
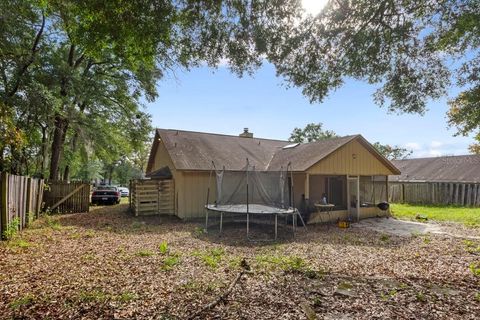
[12,229]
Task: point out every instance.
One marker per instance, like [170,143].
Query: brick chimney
[246,134]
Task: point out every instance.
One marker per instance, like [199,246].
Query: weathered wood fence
[20,200]
[150,197]
[67,196]
[449,193]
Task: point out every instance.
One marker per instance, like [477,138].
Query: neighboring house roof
[439,169]
[196,150]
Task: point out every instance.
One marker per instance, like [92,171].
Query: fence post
[3,202]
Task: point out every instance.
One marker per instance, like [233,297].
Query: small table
[324,208]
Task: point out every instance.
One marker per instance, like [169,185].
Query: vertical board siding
[352,159]
[20,198]
[76,203]
[462,194]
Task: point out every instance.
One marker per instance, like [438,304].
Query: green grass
[467,216]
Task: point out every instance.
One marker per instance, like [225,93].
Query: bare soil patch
[107,264]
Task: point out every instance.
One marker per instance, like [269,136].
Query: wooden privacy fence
[67,196]
[150,197]
[20,198]
[462,194]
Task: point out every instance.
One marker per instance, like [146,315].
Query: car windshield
[107,188]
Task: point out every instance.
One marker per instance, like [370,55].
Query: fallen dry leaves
[106,264]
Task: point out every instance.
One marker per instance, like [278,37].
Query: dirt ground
[106,264]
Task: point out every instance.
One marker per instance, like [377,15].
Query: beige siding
[298,188]
[162,159]
[193,195]
[352,159]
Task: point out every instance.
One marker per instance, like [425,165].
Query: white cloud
[436,144]
[413,146]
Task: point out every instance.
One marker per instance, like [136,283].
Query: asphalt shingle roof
[196,150]
[439,169]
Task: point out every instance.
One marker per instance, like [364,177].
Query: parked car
[124,191]
[106,194]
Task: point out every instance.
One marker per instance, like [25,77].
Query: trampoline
[252,193]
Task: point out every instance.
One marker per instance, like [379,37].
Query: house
[346,169]
[437,180]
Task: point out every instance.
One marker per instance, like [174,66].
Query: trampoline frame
[280,212]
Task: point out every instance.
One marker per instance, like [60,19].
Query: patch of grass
[390,294]
[89,234]
[126,297]
[93,296]
[21,302]
[19,243]
[210,258]
[475,268]
[427,239]
[52,223]
[477,296]
[137,225]
[198,231]
[163,248]
[144,253]
[385,238]
[12,229]
[170,262]
[467,216]
[292,264]
[420,296]
[471,246]
[88,257]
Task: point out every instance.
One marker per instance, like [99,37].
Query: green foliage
[475,268]
[170,262]
[288,264]
[11,229]
[144,253]
[311,132]
[471,246]
[392,152]
[22,302]
[210,258]
[126,297]
[96,296]
[163,248]
[468,216]
[19,243]
[385,238]
[53,223]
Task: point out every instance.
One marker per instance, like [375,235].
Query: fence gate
[150,197]
[67,197]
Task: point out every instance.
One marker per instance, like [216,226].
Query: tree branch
[30,60]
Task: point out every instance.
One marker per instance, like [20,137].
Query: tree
[414,51]
[392,152]
[311,132]
[92,62]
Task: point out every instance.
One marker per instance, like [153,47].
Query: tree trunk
[59,135]
[110,173]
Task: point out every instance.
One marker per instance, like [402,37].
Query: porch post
[307,187]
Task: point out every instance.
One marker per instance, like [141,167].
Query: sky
[217,101]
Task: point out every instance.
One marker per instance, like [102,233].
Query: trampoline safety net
[259,190]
